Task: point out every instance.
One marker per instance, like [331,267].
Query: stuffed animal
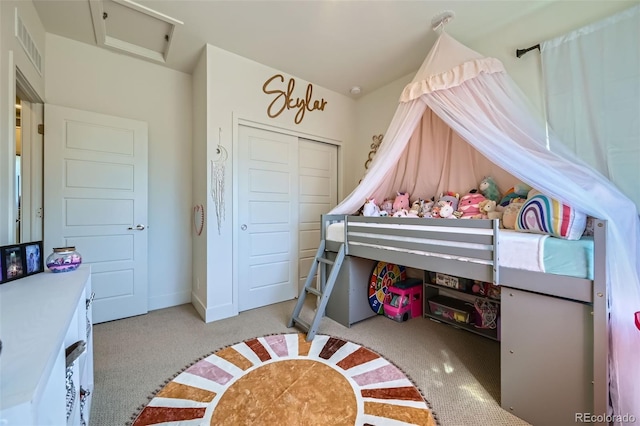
[451,197]
[489,189]
[470,206]
[510,215]
[435,212]
[386,207]
[426,208]
[446,211]
[416,207]
[401,213]
[401,201]
[520,190]
[488,210]
[370,208]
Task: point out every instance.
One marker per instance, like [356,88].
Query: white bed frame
[442,245]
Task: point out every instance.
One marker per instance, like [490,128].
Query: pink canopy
[462,118]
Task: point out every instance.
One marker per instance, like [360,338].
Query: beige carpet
[458,371]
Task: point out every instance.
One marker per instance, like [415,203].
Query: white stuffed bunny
[370,208]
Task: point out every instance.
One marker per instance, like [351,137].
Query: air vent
[30,48]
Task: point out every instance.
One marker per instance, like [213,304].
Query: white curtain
[493,116]
[592,90]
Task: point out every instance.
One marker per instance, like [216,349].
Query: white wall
[200,185]
[234,94]
[90,78]
[554,20]
[374,113]
[12,55]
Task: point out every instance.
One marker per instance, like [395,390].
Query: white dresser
[40,317]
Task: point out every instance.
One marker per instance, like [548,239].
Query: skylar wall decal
[284,98]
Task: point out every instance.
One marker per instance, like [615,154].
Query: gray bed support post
[496,252]
[326,282]
[600,320]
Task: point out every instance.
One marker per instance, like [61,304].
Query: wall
[545,24]
[554,20]
[199,176]
[11,56]
[90,78]
[234,94]
[374,113]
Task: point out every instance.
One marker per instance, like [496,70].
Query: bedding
[531,252]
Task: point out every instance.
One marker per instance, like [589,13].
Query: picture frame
[13,262]
[33,257]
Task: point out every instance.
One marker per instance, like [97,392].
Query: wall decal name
[284,99]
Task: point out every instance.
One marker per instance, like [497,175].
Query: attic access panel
[132,28]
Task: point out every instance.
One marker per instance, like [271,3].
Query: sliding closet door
[318,177]
[267,217]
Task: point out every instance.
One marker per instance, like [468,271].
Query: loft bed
[461,118]
[575,341]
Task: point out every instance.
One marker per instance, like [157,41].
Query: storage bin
[451,309]
[458,283]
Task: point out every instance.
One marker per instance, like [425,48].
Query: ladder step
[314,291]
[327,261]
[303,324]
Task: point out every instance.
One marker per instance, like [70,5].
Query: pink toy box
[404,300]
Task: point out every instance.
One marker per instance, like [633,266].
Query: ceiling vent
[27,43]
[132,28]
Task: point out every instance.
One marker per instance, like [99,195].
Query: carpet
[285,380]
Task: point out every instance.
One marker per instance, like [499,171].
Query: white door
[95,197]
[267,217]
[318,177]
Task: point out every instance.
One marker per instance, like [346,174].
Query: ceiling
[336,44]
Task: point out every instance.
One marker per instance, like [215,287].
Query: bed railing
[466,248]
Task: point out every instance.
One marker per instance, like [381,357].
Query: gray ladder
[323,293]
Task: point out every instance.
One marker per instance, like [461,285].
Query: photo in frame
[33,257]
[12,262]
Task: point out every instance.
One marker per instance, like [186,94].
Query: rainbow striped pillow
[544,215]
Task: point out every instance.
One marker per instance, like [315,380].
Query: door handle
[136,228]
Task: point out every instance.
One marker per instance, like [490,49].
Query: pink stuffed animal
[401,202]
[470,206]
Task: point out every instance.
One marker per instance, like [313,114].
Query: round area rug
[285,380]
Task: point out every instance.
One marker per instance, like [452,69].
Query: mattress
[531,252]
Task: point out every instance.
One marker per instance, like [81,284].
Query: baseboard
[169,300]
[213,313]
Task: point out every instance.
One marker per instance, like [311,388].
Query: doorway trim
[238,121]
[32,165]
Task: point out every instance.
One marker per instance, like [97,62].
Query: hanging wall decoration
[217,181]
[284,99]
[377,140]
[198,219]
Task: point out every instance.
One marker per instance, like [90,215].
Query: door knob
[136,228]
[243,227]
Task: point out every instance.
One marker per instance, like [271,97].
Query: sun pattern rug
[285,380]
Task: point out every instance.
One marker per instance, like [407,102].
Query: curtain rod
[521,52]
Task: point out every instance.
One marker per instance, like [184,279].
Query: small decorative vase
[64,259]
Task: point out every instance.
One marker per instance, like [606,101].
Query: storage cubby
[455,301]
